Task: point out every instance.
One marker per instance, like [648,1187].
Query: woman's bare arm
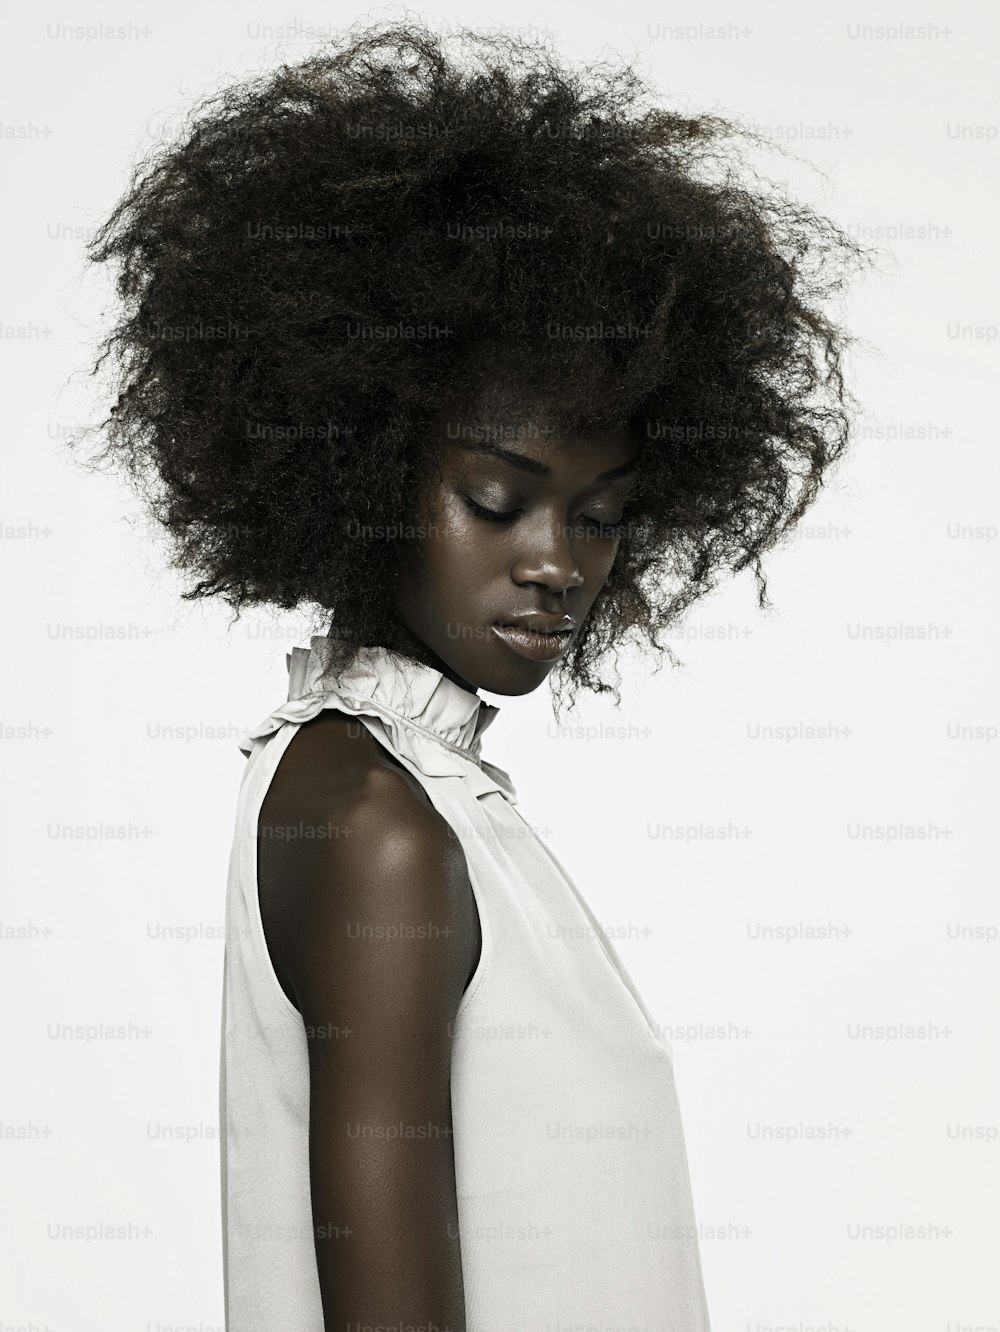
[373,927]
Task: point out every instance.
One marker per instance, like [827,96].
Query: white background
[100,657]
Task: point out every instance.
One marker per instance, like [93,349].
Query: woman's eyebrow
[532,465]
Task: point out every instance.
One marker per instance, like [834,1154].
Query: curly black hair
[333,252]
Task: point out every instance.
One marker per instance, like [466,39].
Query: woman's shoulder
[346,833]
[336,760]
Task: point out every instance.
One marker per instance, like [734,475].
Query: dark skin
[552,554]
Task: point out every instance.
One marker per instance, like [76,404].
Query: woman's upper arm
[378,931]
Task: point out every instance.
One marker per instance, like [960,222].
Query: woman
[483,363]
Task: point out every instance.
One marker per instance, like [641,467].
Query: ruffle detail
[427,718]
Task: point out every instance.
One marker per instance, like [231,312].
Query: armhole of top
[485,948]
[271,753]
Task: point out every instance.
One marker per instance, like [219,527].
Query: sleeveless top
[574,1200]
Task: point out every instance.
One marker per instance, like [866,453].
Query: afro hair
[334,252]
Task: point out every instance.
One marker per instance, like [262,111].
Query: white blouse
[575,1203]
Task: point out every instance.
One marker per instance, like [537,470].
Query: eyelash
[492,516]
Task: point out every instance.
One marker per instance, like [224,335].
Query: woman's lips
[530,644]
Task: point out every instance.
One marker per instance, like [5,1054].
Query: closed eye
[491,515]
[495,516]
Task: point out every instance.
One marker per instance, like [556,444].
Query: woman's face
[547,559]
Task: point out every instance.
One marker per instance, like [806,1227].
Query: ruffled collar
[430,720]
